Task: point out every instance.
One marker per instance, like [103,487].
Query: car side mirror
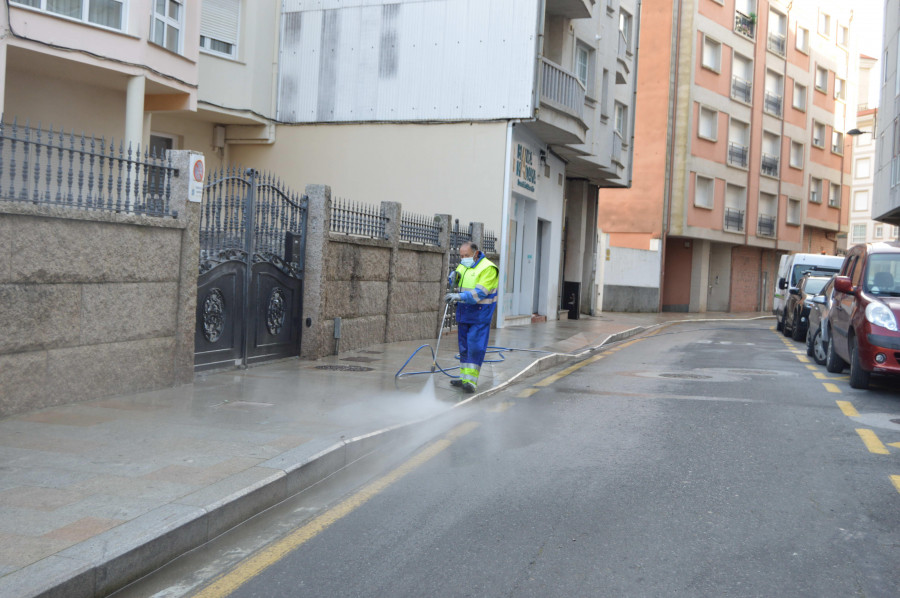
[842,284]
[794,291]
[820,299]
[782,284]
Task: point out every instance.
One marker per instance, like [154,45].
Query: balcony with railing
[745,24]
[741,89]
[738,154]
[765,226]
[734,220]
[768,165]
[776,43]
[561,119]
[773,103]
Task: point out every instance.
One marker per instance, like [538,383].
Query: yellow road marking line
[802,358]
[256,564]
[896,480]
[897,444]
[848,408]
[557,376]
[870,439]
[527,393]
[812,367]
[831,387]
[822,376]
[501,407]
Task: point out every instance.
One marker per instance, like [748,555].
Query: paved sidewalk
[93,495]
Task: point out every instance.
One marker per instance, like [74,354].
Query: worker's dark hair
[471,245]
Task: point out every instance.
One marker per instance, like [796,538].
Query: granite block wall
[93,303]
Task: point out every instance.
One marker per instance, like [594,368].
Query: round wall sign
[198,171]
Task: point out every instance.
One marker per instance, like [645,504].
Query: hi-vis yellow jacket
[478,287]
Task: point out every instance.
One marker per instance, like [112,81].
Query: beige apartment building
[741,153]
[511,112]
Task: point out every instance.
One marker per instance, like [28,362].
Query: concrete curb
[120,556]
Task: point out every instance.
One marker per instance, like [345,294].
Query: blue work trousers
[473,341]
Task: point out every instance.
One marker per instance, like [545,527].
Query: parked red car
[865,312]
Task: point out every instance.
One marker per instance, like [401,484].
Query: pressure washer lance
[451,286]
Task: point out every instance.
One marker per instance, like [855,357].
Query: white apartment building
[509,112]
[862,228]
[886,199]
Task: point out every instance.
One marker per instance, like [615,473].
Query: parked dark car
[817,332]
[799,302]
[864,314]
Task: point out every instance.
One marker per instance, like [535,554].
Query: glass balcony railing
[776,43]
[769,165]
[745,24]
[737,154]
[734,219]
[741,89]
[765,226]
[773,103]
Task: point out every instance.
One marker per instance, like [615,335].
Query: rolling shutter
[220,19]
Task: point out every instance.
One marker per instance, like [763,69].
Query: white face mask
[468,262]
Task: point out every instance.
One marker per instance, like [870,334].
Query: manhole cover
[344,368]
[686,376]
[361,359]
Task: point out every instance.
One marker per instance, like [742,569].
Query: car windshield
[801,269]
[883,274]
[814,285]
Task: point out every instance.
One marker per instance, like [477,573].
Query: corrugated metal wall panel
[359,60]
[365,97]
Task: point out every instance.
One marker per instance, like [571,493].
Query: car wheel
[809,340]
[779,323]
[859,378]
[797,328]
[833,363]
[784,325]
[818,348]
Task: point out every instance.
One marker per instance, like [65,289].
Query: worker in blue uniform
[478,281]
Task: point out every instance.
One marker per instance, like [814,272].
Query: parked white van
[792,268]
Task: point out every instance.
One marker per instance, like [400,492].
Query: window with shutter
[219,23]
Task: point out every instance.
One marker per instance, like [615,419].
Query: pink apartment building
[103,67]
[740,153]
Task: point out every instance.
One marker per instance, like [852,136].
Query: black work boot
[468,387]
[457,383]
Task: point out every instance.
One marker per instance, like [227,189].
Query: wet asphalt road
[705,460]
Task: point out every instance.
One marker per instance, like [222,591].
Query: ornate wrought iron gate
[250,290]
